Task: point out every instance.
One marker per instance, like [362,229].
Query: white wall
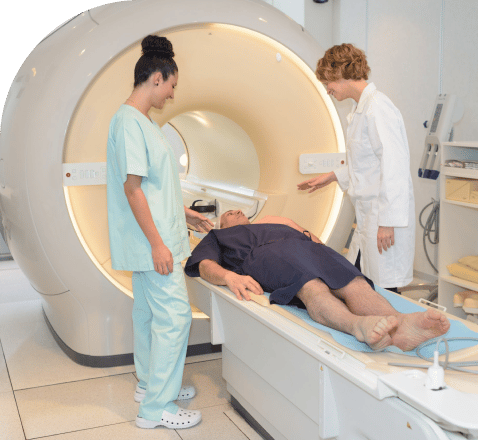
[402,42]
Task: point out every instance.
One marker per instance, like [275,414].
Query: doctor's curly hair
[342,61]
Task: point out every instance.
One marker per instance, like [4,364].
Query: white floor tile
[206,377]
[11,427]
[247,429]
[8,265]
[14,286]
[122,431]
[17,313]
[203,357]
[118,370]
[5,385]
[215,425]
[58,409]
[34,358]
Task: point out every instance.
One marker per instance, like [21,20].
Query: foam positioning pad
[457,329]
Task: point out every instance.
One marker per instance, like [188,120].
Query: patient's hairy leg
[325,308]
[362,300]
[416,328]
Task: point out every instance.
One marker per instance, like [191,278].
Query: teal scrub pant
[161,322]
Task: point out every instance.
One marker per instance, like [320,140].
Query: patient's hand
[241,285]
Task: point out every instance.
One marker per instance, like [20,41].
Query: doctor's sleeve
[342,175]
[388,140]
[207,249]
[131,152]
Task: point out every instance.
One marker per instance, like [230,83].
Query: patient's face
[233,218]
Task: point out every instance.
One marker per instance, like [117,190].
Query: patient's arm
[288,222]
[240,285]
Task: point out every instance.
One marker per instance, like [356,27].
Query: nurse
[377,177]
[148,236]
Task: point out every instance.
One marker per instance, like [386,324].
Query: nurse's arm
[240,285]
[199,221]
[162,257]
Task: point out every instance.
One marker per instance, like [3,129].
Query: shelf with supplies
[458,220]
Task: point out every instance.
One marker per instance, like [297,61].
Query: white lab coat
[378,181]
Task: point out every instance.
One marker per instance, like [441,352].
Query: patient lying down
[278,256]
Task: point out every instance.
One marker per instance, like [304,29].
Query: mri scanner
[246,111]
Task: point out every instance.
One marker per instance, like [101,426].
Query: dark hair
[157,57]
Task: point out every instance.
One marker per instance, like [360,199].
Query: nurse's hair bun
[157,46]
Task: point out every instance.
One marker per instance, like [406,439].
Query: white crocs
[184,393]
[139,394]
[183,419]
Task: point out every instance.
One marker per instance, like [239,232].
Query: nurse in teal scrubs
[148,236]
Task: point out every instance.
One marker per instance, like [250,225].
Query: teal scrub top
[137,146]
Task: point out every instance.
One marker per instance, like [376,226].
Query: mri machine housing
[246,106]
[246,100]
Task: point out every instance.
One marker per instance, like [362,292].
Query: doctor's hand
[201,223]
[385,238]
[162,259]
[317,182]
[241,285]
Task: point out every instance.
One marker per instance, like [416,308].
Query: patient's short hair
[342,61]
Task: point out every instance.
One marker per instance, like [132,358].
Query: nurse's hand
[385,238]
[201,223]
[241,285]
[162,259]
[317,182]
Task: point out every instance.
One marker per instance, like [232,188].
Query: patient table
[294,382]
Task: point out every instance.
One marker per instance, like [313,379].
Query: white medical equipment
[448,110]
[247,105]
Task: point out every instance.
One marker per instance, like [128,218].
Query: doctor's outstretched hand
[385,238]
[317,182]
[201,223]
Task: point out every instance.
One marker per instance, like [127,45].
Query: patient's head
[233,218]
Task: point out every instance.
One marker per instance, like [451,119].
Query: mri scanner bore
[246,107]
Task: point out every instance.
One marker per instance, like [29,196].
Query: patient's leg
[362,300]
[328,310]
[413,328]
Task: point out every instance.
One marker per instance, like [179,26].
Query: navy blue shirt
[280,258]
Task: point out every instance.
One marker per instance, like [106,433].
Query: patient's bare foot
[375,330]
[416,328]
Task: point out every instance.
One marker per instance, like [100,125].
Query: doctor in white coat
[377,177]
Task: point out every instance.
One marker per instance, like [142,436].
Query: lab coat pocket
[366,212]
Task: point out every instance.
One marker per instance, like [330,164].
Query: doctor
[377,178]
[148,236]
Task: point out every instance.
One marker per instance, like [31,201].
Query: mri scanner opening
[247,105]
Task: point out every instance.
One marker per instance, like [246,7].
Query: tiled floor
[43,394]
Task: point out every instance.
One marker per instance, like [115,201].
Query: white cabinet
[458,225]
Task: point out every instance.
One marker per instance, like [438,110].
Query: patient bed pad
[457,329]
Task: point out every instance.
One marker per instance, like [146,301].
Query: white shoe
[183,419]
[184,393]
